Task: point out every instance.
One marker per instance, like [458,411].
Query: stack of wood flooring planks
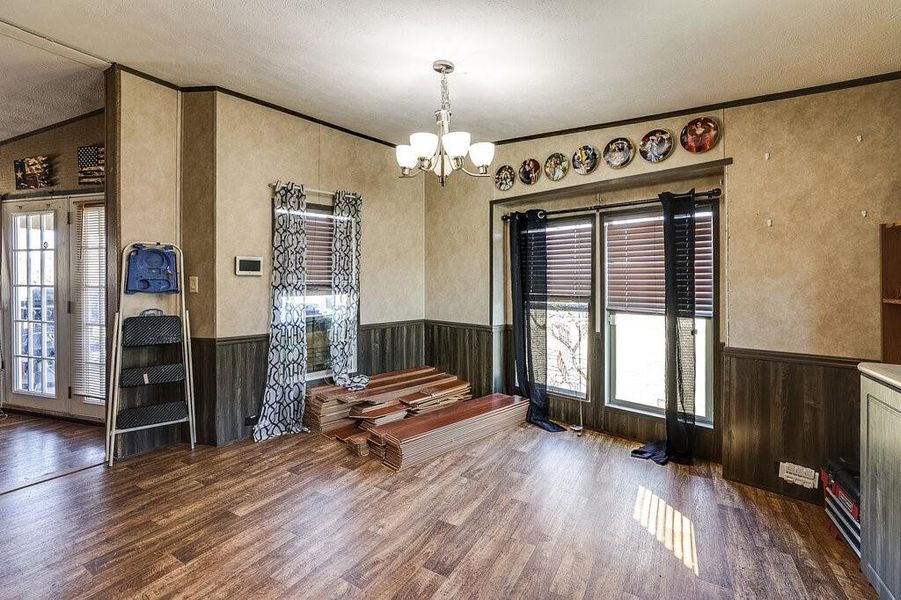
[423,437]
[388,397]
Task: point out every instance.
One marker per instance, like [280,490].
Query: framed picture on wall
[32,172]
[91,164]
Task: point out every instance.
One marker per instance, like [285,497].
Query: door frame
[64,405]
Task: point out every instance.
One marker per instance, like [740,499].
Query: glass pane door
[34,285]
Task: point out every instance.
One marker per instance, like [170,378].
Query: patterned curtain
[345,286]
[283,397]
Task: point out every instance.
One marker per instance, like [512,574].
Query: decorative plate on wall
[556,166]
[504,178]
[700,135]
[656,145]
[618,153]
[585,159]
[529,171]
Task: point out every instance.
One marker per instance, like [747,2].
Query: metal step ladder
[141,332]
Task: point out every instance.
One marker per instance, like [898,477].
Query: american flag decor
[91,161]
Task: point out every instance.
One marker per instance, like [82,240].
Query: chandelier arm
[471,174]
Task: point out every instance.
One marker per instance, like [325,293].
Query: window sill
[648,413]
[564,396]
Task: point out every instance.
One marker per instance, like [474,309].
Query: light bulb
[424,144]
[406,157]
[481,154]
[456,143]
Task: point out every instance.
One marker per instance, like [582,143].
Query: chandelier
[445,152]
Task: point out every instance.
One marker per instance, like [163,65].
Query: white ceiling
[42,84]
[524,67]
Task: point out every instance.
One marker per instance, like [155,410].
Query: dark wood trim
[113,94]
[47,128]
[147,76]
[792,357]
[37,195]
[288,111]
[390,324]
[459,325]
[246,98]
[238,339]
[607,185]
[112,98]
[51,415]
[817,89]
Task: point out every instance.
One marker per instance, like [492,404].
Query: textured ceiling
[524,67]
[40,85]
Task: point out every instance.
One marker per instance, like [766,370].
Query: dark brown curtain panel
[680,254]
[529,286]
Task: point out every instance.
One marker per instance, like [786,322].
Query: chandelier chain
[445,94]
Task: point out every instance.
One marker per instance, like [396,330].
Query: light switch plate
[193,284]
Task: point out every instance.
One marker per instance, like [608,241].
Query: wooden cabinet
[880,471]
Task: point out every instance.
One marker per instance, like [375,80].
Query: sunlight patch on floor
[670,527]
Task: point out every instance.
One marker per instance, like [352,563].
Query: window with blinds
[634,256]
[89,304]
[569,259]
[569,249]
[320,230]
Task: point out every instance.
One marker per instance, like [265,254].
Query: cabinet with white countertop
[880,476]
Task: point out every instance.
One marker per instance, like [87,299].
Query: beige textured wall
[457,242]
[809,284]
[149,169]
[198,210]
[258,145]
[61,145]
[456,249]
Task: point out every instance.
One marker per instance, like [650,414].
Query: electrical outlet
[250,420]
[193,284]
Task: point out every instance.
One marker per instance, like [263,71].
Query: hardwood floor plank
[522,514]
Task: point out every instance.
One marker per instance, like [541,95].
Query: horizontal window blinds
[320,230]
[568,247]
[635,264]
[89,303]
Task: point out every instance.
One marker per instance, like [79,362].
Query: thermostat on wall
[249,265]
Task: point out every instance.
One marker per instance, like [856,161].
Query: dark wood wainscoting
[787,407]
[463,350]
[230,374]
[390,346]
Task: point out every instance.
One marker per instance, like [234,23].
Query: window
[569,284]
[320,302]
[635,312]
[34,294]
[89,310]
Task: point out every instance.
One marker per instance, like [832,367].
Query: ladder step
[152,414]
[151,375]
[151,331]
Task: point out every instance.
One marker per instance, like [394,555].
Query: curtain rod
[307,190]
[713,194]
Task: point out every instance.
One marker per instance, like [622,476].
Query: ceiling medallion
[446,152]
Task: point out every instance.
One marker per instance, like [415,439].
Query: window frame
[315,376]
[712,328]
[572,394]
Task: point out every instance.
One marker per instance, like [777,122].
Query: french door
[40,309]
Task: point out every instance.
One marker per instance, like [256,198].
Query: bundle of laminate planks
[388,397]
[328,406]
[422,437]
